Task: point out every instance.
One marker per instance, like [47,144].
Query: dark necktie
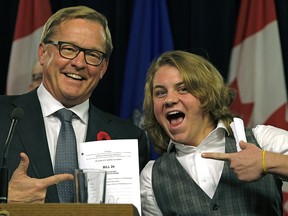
[66,154]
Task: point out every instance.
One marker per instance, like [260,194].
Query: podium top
[70,209]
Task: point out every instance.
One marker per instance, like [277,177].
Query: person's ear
[104,68]
[102,74]
[41,52]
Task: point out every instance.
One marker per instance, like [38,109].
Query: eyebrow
[161,86]
[158,86]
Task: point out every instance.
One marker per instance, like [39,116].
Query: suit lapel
[36,144]
[98,121]
[33,137]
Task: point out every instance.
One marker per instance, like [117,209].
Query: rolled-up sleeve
[271,138]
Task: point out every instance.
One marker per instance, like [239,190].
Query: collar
[217,133]
[50,105]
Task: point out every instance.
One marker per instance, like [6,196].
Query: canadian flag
[256,69]
[32,15]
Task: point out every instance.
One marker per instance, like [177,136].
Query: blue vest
[177,193]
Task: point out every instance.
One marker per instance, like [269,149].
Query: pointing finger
[216,155]
[51,180]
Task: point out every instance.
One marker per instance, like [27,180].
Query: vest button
[215,207]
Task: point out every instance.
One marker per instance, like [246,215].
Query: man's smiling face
[72,81]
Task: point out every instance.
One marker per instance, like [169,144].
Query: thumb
[243,145]
[23,165]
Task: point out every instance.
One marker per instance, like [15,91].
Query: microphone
[16,116]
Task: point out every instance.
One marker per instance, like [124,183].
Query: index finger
[55,179]
[216,155]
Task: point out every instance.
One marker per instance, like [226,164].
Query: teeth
[74,76]
[172,113]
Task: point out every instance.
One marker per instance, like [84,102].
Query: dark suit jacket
[30,136]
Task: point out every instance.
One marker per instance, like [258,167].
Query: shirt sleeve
[148,202]
[271,138]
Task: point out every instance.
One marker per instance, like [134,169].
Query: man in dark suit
[74,51]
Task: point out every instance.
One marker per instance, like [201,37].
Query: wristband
[263,163]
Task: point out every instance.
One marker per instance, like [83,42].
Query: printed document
[120,159]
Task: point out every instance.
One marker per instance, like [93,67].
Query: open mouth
[175,118]
[74,76]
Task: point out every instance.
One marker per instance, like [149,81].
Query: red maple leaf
[277,118]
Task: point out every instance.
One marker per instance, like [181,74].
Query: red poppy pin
[103,136]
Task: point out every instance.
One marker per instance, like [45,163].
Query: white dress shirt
[49,106]
[207,172]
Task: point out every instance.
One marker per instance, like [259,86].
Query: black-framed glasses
[71,51]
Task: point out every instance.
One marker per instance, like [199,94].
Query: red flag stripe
[262,12]
[29,23]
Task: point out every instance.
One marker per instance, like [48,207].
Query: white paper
[239,132]
[120,159]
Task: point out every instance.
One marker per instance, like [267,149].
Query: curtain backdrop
[205,25]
